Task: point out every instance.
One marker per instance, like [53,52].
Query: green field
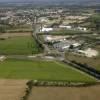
[68,32]
[40,70]
[19,45]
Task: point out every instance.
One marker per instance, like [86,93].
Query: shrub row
[61,83]
[28,90]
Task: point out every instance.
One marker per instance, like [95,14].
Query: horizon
[53,2]
[48,0]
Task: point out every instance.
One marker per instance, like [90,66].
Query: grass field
[41,70]
[68,32]
[19,45]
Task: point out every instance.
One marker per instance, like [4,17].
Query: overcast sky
[49,0]
[46,0]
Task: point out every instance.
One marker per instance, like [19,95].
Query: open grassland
[40,70]
[65,93]
[19,45]
[12,89]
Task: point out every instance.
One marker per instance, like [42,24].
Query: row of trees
[95,22]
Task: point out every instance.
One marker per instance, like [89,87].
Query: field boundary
[59,83]
[40,83]
[28,90]
[84,68]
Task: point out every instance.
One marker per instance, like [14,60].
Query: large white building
[46,29]
[64,26]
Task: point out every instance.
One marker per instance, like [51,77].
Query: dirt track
[65,93]
[12,89]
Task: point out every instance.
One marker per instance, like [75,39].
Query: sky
[67,1]
[45,0]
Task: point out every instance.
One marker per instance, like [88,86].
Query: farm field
[19,45]
[12,89]
[41,70]
[5,35]
[93,62]
[65,93]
